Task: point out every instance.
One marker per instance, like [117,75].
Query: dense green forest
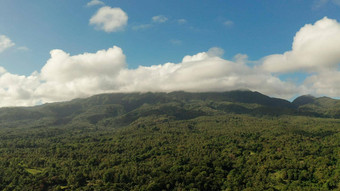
[239,140]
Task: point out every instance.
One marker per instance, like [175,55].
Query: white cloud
[315,47]
[228,23]
[324,83]
[215,52]
[62,67]
[23,48]
[315,51]
[159,19]
[80,75]
[17,90]
[181,21]
[5,43]
[205,71]
[95,2]
[65,77]
[109,19]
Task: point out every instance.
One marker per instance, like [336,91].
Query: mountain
[303,100]
[237,140]
[322,106]
[122,109]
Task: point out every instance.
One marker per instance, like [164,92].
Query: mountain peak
[303,100]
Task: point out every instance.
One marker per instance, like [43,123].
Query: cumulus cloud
[316,52]
[66,76]
[315,47]
[62,67]
[95,2]
[63,77]
[17,89]
[205,71]
[109,19]
[5,43]
[324,83]
[80,75]
[159,19]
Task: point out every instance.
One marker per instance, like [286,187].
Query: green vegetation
[323,106]
[178,141]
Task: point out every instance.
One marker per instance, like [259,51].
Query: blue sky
[155,33]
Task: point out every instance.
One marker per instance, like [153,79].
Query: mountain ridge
[124,108]
[154,141]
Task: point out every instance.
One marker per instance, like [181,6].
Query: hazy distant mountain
[303,100]
[322,106]
[124,108]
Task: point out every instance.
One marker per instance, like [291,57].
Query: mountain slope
[303,100]
[322,106]
[122,109]
[170,141]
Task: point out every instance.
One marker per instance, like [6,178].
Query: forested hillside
[322,106]
[239,140]
[122,109]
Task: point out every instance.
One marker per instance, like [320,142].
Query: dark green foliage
[122,109]
[303,100]
[175,141]
[320,107]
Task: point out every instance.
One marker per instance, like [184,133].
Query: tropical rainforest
[237,140]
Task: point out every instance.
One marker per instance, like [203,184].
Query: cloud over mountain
[203,72]
[324,83]
[65,77]
[315,49]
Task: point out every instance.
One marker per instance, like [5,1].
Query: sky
[60,50]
